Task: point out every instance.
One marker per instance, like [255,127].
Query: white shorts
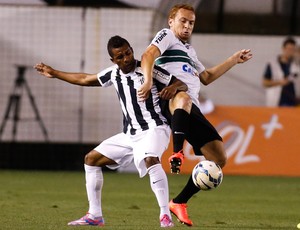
[123,149]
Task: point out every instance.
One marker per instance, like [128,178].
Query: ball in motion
[207,175]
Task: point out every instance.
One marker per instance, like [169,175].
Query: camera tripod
[14,104]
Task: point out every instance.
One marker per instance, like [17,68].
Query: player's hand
[243,55]
[176,160]
[144,91]
[168,92]
[44,69]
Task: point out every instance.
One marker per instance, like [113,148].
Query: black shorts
[200,131]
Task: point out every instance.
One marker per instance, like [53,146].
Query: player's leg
[112,152]
[215,151]
[147,154]
[159,186]
[94,161]
[180,108]
[205,141]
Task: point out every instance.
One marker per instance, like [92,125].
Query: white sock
[159,185]
[94,184]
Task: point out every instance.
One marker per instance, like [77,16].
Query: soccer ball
[207,175]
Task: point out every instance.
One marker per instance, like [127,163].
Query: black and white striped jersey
[137,116]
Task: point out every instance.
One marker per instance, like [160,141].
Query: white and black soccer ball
[207,175]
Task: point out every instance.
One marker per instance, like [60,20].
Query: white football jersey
[180,59]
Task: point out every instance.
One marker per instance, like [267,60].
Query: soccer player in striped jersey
[145,135]
[171,50]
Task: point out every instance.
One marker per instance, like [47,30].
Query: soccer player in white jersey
[145,135]
[171,50]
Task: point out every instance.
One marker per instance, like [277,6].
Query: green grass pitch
[49,200]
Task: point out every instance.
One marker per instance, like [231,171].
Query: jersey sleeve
[163,40]
[104,77]
[198,65]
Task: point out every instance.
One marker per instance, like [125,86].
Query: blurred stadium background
[71,35]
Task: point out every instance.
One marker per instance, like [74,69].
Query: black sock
[179,124]
[187,192]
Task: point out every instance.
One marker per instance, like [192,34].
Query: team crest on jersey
[140,77]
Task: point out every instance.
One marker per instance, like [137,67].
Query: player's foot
[88,219]
[176,160]
[166,222]
[179,210]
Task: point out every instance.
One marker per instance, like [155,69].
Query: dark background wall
[43,156]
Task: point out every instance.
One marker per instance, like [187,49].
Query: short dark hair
[289,40]
[116,42]
[177,7]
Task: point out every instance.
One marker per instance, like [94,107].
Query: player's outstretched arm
[82,79]
[212,74]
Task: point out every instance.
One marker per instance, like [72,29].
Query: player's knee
[182,101]
[91,158]
[88,159]
[149,161]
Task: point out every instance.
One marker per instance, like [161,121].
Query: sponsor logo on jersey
[160,75]
[189,69]
[160,36]
[154,182]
